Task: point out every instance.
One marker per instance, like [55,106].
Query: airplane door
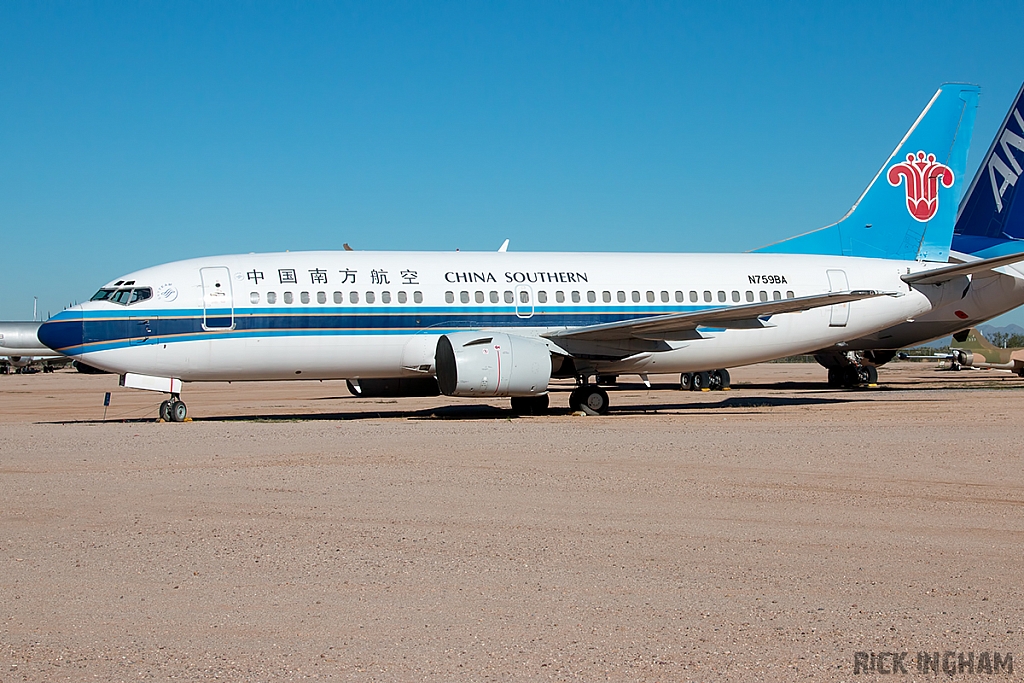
[524,301]
[837,282]
[218,306]
[139,330]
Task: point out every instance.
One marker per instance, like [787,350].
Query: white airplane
[20,348]
[503,324]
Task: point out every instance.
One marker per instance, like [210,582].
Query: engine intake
[964,357]
[491,364]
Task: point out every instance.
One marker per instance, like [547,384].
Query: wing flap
[682,325]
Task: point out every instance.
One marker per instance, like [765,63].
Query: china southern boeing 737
[503,324]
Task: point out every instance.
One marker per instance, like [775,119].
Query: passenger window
[777,295]
[524,296]
[493,296]
[339,298]
[621,296]
[750,296]
[735,296]
[370,297]
[449,297]
[254,297]
[464,297]
[304,297]
[693,296]
[575,297]
[721,296]
[606,297]
[353,297]
[560,297]
[679,297]
[650,297]
[707,296]
[542,297]
[790,295]
[763,295]
[509,299]
[385,297]
[417,296]
[402,297]
[479,296]
[271,297]
[664,297]
[288,298]
[321,297]
[636,297]
[592,297]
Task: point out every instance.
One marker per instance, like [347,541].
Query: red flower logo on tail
[923,175]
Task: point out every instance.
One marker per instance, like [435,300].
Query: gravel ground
[292,531]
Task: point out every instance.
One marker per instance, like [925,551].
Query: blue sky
[134,134]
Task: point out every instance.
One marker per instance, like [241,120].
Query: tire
[851,376]
[165,411]
[835,377]
[723,380]
[179,411]
[530,405]
[592,400]
[869,375]
[685,381]
[701,381]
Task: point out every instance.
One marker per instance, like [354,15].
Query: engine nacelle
[964,357]
[491,364]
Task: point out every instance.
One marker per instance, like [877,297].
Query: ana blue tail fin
[989,214]
[909,208]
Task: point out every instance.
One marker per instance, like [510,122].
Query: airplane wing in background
[682,325]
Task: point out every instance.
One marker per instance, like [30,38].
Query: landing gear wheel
[592,400]
[165,411]
[867,374]
[530,405]
[701,381]
[851,377]
[178,411]
[685,381]
[720,380]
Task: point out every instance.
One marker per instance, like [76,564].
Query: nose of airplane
[64,332]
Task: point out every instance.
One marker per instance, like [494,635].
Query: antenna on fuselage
[504,246]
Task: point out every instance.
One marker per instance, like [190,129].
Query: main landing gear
[589,398]
[173,410]
[851,376]
[714,380]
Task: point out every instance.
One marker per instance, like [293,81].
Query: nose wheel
[173,410]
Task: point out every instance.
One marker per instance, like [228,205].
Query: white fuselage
[352,315]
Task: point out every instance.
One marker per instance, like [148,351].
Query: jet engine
[491,364]
[964,357]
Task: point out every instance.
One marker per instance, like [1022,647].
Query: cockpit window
[124,296]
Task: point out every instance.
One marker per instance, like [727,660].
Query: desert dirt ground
[293,531]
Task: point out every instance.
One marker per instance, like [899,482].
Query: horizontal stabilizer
[939,275]
[678,325]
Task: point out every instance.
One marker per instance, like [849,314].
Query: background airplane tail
[908,210]
[973,340]
[989,213]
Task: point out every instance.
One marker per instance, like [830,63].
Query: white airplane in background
[485,324]
[20,348]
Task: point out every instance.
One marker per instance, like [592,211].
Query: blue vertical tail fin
[908,210]
[989,215]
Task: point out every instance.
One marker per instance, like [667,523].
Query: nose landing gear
[173,410]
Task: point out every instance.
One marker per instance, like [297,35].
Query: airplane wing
[672,325]
[939,275]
